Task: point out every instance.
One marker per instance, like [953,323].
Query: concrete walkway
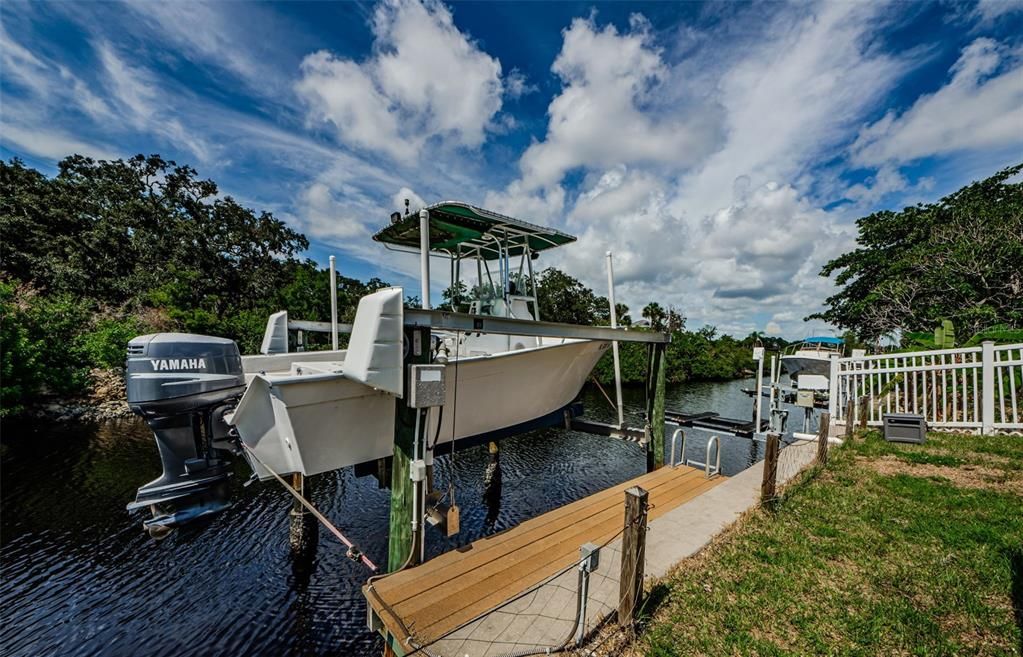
[544,618]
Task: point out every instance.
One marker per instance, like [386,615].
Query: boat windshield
[818,343]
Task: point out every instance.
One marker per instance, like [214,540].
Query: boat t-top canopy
[824,339]
[458,229]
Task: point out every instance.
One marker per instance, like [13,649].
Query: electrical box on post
[426,386]
[804,398]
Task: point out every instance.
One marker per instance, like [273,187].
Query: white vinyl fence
[973,388]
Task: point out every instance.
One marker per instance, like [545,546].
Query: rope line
[353,551]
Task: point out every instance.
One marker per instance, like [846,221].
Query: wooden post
[400,538]
[633,553]
[850,405]
[302,526]
[769,484]
[655,389]
[864,411]
[822,438]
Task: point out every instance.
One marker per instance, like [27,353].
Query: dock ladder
[713,443]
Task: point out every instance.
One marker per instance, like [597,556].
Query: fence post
[633,552]
[864,411]
[770,481]
[822,438]
[987,385]
[833,392]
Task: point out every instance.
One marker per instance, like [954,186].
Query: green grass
[891,549]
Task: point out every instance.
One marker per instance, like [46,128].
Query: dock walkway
[421,606]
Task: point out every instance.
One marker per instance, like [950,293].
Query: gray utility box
[427,386]
[905,428]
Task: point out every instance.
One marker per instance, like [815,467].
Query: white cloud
[144,105]
[691,167]
[415,201]
[603,117]
[426,80]
[981,107]
[52,144]
[544,206]
[206,34]
[793,98]
[516,84]
[990,10]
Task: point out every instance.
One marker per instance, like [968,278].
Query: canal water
[81,577]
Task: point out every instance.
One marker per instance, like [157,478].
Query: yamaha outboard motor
[183,385]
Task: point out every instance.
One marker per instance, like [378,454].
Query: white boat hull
[317,422]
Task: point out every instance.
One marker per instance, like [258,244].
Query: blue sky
[722,150]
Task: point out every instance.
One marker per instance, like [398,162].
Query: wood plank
[494,546]
[456,587]
[438,621]
[559,549]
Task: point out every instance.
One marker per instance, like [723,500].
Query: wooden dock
[418,606]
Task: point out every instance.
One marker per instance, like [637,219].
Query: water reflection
[82,578]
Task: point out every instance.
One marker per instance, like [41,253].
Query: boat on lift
[812,356]
[310,412]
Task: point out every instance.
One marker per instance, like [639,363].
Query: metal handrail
[674,437]
[708,469]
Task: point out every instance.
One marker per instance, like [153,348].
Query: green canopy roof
[459,228]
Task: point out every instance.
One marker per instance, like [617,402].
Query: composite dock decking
[420,605]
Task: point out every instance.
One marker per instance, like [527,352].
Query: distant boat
[812,356]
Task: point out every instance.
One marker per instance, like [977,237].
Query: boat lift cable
[604,392]
[353,552]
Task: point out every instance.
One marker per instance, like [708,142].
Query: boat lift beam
[451,321]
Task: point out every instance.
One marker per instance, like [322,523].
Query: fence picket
[942,385]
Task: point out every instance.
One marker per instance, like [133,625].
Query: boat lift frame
[451,321]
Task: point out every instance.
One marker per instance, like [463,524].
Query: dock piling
[768,486]
[633,554]
[403,545]
[823,429]
[655,389]
[303,530]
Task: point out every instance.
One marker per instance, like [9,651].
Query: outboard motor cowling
[182,385]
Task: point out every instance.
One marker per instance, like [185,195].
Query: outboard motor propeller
[183,385]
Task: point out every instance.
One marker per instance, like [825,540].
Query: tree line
[103,251]
[957,260]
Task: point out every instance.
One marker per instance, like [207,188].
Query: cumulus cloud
[793,98]
[425,80]
[698,197]
[980,107]
[602,116]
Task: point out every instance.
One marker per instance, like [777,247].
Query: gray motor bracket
[426,386]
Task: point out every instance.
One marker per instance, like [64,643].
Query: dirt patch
[963,476]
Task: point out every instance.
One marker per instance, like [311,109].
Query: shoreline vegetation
[887,549]
[107,250]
